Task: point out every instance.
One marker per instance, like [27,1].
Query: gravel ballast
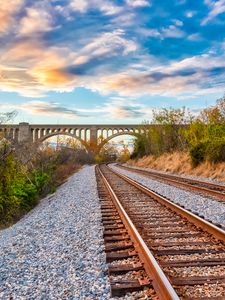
[57,250]
[185,176]
[210,209]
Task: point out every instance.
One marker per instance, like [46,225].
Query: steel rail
[187,183]
[217,232]
[160,281]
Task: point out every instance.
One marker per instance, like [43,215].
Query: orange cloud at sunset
[23,52]
[51,77]
[7,11]
[38,68]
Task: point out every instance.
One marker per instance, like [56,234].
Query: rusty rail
[169,233]
[160,281]
[217,232]
[207,188]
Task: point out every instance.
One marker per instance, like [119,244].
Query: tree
[8,116]
[124,155]
[6,145]
[206,134]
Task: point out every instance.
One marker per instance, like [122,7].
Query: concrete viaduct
[92,137]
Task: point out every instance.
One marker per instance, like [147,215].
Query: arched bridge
[93,137]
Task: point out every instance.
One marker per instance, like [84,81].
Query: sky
[102,61]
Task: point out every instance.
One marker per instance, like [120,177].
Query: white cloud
[106,43]
[127,19]
[44,108]
[149,32]
[166,32]
[216,8]
[48,109]
[120,108]
[110,9]
[106,7]
[36,20]
[79,5]
[138,3]
[191,75]
[204,61]
[194,37]
[178,22]
[190,14]
[172,32]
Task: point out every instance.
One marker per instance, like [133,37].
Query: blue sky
[102,61]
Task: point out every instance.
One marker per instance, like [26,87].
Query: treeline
[203,136]
[28,173]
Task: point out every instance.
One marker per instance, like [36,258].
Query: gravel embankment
[210,209]
[200,178]
[57,250]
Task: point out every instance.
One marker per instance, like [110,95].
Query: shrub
[215,151]
[206,135]
[197,153]
[139,147]
[9,174]
[26,178]
[28,193]
[41,180]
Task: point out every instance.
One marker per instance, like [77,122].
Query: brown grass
[180,162]
[63,172]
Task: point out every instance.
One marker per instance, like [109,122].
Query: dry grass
[63,172]
[179,162]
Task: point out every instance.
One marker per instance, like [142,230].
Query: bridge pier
[24,134]
[93,136]
[93,143]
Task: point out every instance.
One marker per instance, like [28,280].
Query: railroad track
[157,247]
[206,188]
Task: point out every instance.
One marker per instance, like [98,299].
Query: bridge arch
[105,141]
[42,139]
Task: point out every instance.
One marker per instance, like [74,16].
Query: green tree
[206,134]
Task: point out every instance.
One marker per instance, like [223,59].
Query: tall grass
[180,162]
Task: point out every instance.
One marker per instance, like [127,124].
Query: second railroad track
[200,186]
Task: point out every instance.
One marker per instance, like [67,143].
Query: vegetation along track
[182,248]
[203,187]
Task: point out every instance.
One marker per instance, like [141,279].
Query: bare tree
[8,116]
[6,145]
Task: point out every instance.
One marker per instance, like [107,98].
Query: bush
[206,135]
[139,147]
[27,192]
[41,180]
[24,181]
[9,208]
[9,175]
[197,153]
[215,151]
